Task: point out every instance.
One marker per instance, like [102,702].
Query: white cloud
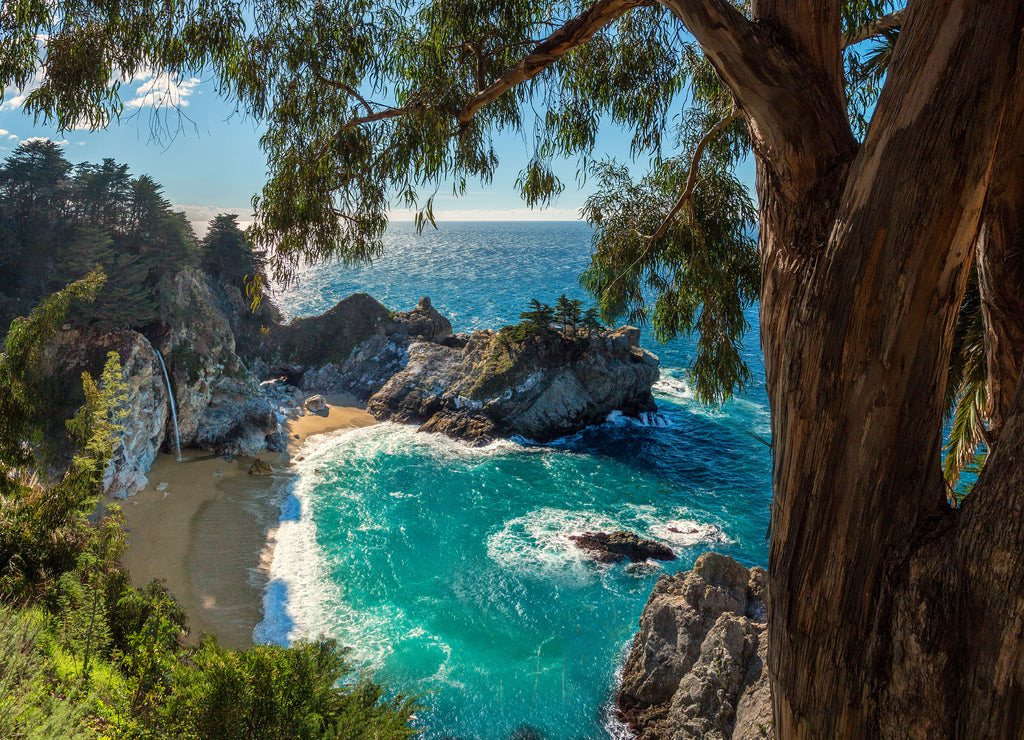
[3,132]
[13,136]
[34,139]
[161,91]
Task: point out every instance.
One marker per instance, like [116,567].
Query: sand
[202,526]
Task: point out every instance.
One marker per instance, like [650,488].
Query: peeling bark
[1000,254]
[865,263]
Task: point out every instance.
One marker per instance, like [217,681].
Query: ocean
[448,570]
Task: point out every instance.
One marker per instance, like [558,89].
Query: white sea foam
[538,544]
[615,727]
[687,533]
[646,419]
[677,529]
[672,386]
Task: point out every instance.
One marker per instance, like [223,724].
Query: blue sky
[208,158]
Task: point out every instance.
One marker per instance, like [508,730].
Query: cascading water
[170,395]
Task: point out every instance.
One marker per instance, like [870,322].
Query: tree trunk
[1001,274]
[874,595]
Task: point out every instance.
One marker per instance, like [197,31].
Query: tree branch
[875,28]
[691,179]
[343,87]
[574,33]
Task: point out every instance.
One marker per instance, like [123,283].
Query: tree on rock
[227,254]
[892,614]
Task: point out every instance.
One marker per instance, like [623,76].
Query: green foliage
[150,624]
[568,314]
[30,708]
[227,254]
[59,222]
[537,319]
[89,47]
[703,272]
[273,692]
[967,400]
[42,532]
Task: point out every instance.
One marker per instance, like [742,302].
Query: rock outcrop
[353,349]
[696,669]
[73,352]
[614,547]
[481,386]
[220,404]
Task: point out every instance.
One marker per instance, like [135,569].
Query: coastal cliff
[481,386]
[696,670]
[219,403]
[235,380]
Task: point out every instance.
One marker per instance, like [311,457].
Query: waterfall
[170,395]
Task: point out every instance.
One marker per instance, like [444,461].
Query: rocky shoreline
[696,666]
[696,670]
[234,385]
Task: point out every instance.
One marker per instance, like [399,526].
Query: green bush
[270,692]
[30,707]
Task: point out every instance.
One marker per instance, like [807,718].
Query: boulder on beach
[316,405]
[260,467]
[614,547]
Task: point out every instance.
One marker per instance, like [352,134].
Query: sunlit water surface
[448,570]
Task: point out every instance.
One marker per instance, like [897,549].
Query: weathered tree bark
[1001,274]
[874,621]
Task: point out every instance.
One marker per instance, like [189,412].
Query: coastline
[202,526]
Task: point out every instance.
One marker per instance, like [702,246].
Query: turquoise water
[448,570]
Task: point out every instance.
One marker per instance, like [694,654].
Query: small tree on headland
[538,317]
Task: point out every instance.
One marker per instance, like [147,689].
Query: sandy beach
[202,526]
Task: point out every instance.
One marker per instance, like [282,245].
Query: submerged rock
[696,670]
[620,545]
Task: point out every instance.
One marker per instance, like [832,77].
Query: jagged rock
[315,341]
[696,668]
[316,405]
[471,427]
[260,467]
[540,388]
[620,545]
[423,322]
[221,407]
[380,352]
[147,409]
[198,347]
[237,420]
[143,426]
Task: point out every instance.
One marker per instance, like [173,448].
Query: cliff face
[407,365]
[74,352]
[220,405]
[481,386]
[697,666]
[353,349]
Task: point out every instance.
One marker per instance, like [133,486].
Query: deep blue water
[448,569]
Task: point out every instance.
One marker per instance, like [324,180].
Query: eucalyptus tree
[892,614]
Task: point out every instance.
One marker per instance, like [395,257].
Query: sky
[208,160]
